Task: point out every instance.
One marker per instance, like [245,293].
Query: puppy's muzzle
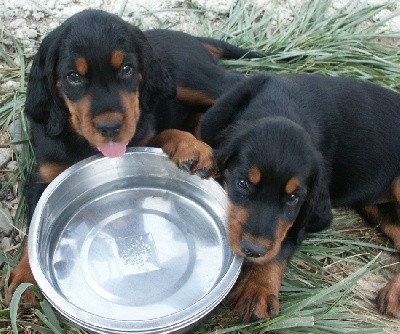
[109,128]
[253,249]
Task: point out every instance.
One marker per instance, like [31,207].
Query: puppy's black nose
[109,128]
[253,249]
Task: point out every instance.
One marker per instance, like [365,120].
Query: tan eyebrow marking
[254,175]
[81,66]
[292,185]
[117,58]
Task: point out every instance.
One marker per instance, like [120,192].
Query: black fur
[339,137]
[99,83]
[165,60]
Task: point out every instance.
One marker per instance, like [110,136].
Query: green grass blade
[15,304]
[39,329]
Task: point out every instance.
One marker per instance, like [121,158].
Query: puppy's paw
[187,152]
[252,302]
[388,298]
[256,295]
[193,156]
[21,274]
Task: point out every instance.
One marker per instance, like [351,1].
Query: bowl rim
[171,322]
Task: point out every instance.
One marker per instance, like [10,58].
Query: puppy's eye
[74,78]
[292,199]
[242,185]
[126,70]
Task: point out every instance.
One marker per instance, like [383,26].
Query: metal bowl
[132,245]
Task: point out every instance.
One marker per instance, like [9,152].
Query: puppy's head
[276,186]
[97,75]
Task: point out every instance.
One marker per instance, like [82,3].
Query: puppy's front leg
[187,152]
[21,274]
[256,295]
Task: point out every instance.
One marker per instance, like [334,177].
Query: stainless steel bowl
[132,245]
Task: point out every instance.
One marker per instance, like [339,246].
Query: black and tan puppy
[99,84]
[291,147]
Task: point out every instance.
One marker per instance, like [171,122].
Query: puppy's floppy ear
[232,139]
[316,211]
[227,147]
[228,108]
[43,103]
[156,82]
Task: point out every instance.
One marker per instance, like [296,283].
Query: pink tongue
[112,150]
